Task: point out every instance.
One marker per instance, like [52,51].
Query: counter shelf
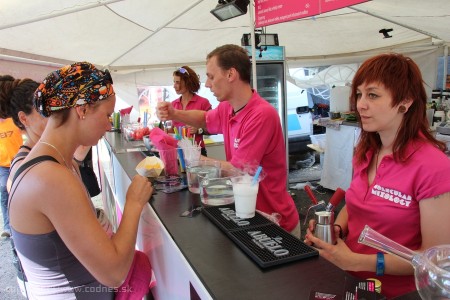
[193,257]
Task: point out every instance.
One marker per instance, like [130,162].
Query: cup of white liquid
[245,190]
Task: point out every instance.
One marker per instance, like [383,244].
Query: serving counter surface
[213,266]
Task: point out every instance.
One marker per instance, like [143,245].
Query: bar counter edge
[191,257]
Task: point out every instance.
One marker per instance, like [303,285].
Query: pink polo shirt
[254,136]
[391,204]
[196,103]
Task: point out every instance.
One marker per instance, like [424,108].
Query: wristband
[380,264]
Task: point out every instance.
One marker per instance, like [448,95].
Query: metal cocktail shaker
[324,229]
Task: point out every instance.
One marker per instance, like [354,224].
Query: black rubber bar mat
[265,242]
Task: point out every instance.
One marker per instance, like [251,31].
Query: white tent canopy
[143,40]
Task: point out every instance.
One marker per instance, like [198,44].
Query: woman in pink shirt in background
[187,83]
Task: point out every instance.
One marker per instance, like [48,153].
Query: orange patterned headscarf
[72,85]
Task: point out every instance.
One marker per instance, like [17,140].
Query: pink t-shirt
[391,204]
[196,103]
[254,136]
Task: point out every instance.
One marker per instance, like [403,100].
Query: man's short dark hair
[233,56]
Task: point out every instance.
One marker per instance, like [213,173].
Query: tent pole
[444,83]
[62,13]
[252,37]
[395,22]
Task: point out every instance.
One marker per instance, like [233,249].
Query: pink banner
[268,12]
[329,5]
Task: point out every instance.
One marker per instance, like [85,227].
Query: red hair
[401,76]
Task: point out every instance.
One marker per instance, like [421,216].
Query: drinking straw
[256,176]
[181,157]
[177,135]
[145,118]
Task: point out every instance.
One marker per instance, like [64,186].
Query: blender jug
[431,268]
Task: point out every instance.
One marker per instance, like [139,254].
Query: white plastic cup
[245,194]
[191,154]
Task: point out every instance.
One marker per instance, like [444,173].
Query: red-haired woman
[401,182]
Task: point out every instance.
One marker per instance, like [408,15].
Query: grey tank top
[52,271]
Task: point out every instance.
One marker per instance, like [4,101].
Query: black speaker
[269,39]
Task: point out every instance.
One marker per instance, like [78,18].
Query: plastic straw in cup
[177,135]
[181,157]
[255,178]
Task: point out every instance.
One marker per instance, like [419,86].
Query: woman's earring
[83,117]
[402,109]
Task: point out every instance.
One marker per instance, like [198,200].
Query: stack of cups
[169,157]
[191,154]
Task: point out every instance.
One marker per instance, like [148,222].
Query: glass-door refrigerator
[271,83]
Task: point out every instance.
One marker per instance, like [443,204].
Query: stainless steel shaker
[324,229]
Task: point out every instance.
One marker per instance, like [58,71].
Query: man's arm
[195,118]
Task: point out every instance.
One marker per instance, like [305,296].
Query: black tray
[265,242]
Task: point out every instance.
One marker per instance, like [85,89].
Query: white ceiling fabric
[133,33]
[143,40]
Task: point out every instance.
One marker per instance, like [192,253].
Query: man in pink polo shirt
[251,128]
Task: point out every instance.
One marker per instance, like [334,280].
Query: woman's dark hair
[401,76]
[189,77]
[233,56]
[7,85]
[16,95]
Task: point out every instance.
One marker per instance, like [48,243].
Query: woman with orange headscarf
[50,209]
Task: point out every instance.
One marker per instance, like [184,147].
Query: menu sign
[329,5]
[270,12]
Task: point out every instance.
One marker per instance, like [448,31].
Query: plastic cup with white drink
[245,190]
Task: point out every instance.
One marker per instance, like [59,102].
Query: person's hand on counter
[223,163]
[140,190]
[339,254]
